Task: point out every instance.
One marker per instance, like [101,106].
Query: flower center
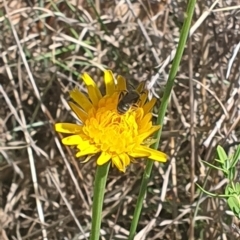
[110,131]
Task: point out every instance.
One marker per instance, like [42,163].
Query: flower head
[117,137]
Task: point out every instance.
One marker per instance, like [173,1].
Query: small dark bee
[128,99]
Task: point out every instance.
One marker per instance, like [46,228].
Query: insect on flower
[109,129]
[129,99]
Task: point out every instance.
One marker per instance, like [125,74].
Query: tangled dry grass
[44,191]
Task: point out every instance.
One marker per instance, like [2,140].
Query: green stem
[99,190]
[162,111]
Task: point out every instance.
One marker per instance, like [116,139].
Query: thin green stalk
[98,195]
[161,113]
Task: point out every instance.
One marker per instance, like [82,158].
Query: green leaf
[231,173]
[229,190]
[236,157]
[221,154]
[237,187]
[233,203]
[226,165]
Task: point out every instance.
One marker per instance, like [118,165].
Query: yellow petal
[81,99]
[118,163]
[83,145]
[125,160]
[109,82]
[149,105]
[149,141]
[103,158]
[87,158]
[143,98]
[93,91]
[153,154]
[138,152]
[72,140]
[139,114]
[145,135]
[79,112]
[140,87]
[68,128]
[146,120]
[121,84]
[90,150]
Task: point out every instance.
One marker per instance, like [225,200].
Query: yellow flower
[119,138]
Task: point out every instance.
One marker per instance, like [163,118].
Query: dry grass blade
[45,46]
